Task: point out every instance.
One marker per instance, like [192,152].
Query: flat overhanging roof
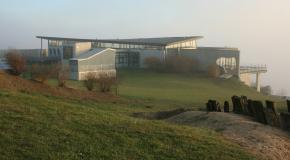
[163,41]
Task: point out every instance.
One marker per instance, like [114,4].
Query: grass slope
[40,127]
[191,90]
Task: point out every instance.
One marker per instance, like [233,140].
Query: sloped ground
[14,83]
[266,141]
[33,126]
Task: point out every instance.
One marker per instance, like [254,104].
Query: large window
[128,59]
[67,52]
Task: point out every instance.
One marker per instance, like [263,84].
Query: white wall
[82,47]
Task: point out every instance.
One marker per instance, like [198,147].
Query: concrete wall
[100,62]
[81,47]
[246,78]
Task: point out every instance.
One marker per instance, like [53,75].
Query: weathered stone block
[237,105]
[226,107]
[260,115]
[285,121]
[244,102]
[219,109]
[271,114]
[288,105]
[250,108]
[208,107]
[213,106]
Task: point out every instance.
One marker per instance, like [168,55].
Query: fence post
[259,112]
[271,114]
[226,107]
[288,105]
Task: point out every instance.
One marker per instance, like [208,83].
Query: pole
[258,82]
[41,47]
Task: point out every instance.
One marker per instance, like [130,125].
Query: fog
[259,28]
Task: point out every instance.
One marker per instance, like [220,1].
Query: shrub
[106,81]
[90,81]
[173,63]
[214,71]
[62,74]
[180,64]
[153,63]
[17,62]
[267,90]
[41,72]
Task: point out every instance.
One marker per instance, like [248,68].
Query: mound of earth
[266,141]
[15,83]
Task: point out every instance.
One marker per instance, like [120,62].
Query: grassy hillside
[178,90]
[192,90]
[37,125]
[33,126]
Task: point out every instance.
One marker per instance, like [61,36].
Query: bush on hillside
[17,62]
[61,73]
[90,81]
[267,90]
[106,81]
[41,72]
[214,71]
[153,64]
[173,64]
[180,64]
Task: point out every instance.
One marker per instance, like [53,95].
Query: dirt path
[266,141]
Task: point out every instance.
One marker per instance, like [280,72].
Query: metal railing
[253,69]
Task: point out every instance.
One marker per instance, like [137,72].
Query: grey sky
[259,28]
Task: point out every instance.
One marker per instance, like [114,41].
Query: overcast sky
[259,28]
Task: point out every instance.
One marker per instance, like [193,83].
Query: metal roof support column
[258,86]
[41,52]
[164,54]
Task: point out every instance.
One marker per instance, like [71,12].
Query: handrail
[253,69]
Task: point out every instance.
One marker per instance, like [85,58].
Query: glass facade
[185,44]
[123,46]
[128,59]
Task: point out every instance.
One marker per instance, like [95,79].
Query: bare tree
[17,62]
[90,81]
[62,74]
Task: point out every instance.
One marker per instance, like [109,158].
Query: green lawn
[192,89]
[179,90]
[40,127]
[34,126]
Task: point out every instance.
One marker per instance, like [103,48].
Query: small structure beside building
[95,60]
